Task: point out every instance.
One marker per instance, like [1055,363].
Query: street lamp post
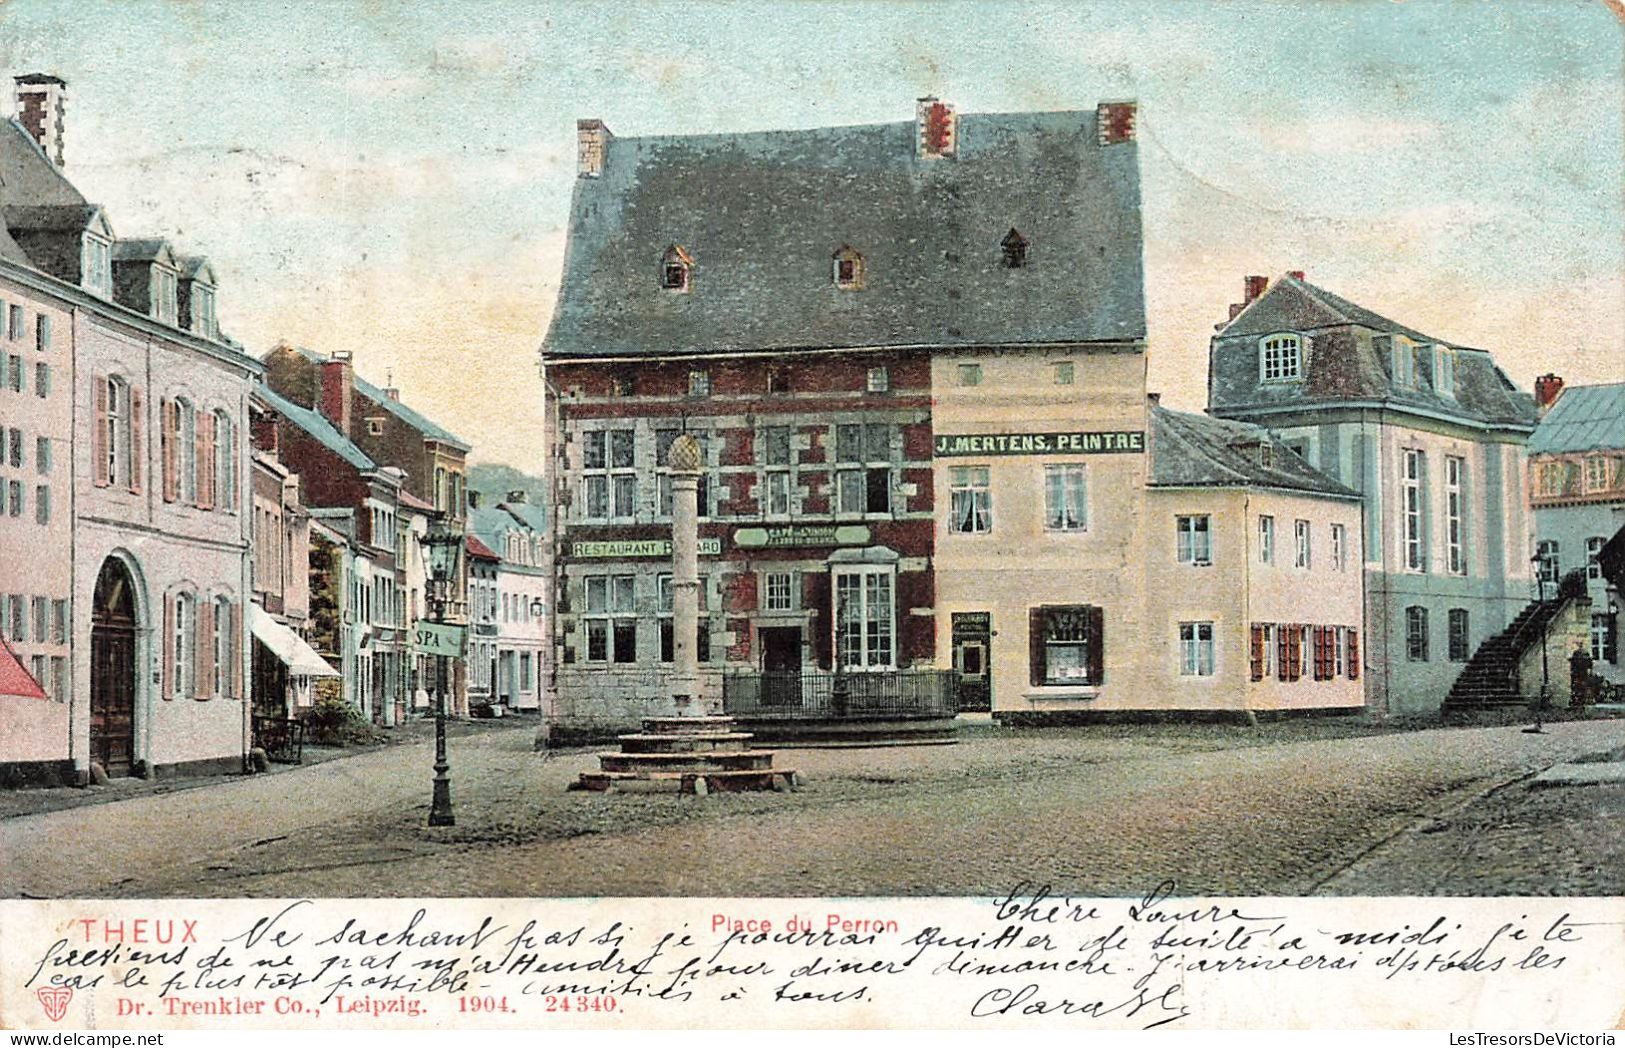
[442,543]
[1541,701]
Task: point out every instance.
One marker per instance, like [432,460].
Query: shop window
[865,636]
[1066,645]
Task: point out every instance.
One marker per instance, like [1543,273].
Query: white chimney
[592,141]
[41,101]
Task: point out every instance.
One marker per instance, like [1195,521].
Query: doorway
[112,670]
[781,665]
[972,634]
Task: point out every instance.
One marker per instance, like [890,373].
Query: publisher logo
[54,999]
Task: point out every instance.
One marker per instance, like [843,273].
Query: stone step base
[726,741]
[686,725]
[699,783]
[737,760]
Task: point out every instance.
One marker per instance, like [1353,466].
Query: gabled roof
[317,426]
[143,249]
[527,514]
[196,267]
[491,525]
[762,214]
[1201,451]
[27,176]
[1342,362]
[480,550]
[1584,418]
[417,421]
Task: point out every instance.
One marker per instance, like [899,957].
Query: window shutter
[167,689]
[1294,652]
[1283,651]
[1354,654]
[1319,636]
[1095,620]
[203,650]
[169,434]
[203,451]
[98,440]
[234,648]
[1035,646]
[1258,652]
[137,449]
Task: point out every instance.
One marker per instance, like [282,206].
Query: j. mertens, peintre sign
[950,445]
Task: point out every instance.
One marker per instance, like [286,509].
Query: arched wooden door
[112,670]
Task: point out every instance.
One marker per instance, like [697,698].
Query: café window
[865,634]
[776,479]
[1066,645]
[781,591]
[971,500]
[610,619]
[863,471]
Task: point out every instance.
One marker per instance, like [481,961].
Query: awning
[14,679]
[300,658]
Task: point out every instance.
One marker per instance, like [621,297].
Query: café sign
[628,549]
[1081,442]
[801,535]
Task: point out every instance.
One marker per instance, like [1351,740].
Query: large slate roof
[1201,451]
[317,426]
[1341,365]
[761,215]
[422,423]
[32,190]
[1585,418]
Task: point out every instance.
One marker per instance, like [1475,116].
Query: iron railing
[823,695]
[282,740]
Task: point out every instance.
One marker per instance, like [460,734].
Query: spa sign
[1099,442]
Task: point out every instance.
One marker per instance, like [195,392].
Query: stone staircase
[1490,678]
[690,755]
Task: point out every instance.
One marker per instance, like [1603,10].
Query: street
[1279,809]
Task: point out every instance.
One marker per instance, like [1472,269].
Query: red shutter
[167,689]
[1283,651]
[1318,639]
[205,460]
[138,450]
[98,442]
[1095,621]
[203,649]
[1354,654]
[1294,651]
[234,647]
[168,436]
[1035,646]
[1258,652]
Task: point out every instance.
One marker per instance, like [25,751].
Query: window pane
[626,640]
[620,451]
[879,491]
[597,640]
[778,446]
[877,442]
[626,488]
[851,496]
[849,443]
[622,599]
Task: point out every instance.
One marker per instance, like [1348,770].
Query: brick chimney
[337,386]
[592,142]
[1252,287]
[41,100]
[1295,274]
[1548,388]
[1114,122]
[936,127]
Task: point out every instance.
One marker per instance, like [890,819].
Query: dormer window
[165,304]
[846,268]
[203,322]
[1280,358]
[96,273]
[1014,246]
[1444,372]
[675,269]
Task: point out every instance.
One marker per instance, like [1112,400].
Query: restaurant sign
[627,549]
[950,445]
[799,535]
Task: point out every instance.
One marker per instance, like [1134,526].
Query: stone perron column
[684,462]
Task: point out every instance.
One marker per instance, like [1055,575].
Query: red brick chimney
[1547,389]
[1252,288]
[41,100]
[338,384]
[935,127]
[1295,274]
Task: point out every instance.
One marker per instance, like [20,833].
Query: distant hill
[494,481]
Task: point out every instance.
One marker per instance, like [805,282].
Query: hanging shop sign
[799,535]
[432,638]
[1082,442]
[628,549]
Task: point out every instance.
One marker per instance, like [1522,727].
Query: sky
[394,179]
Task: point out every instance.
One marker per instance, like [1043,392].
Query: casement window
[223,654]
[59,622]
[42,455]
[1412,509]
[18,618]
[1194,540]
[1014,250]
[877,380]
[42,504]
[42,618]
[1340,547]
[1263,650]
[37,666]
[182,654]
[1352,653]
[14,498]
[1401,353]
[203,322]
[59,678]
[970,500]
[1549,561]
[863,468]
[14,455]
[1065,498]
[1300,535]
[42,332]
[1460,646]
[699,383]
[17,324]
[186,440]
[1066,645]
[42,379]
[1196,649]
[1550,477]
[609,482]
[1339,641]
[1455,479]
[164,300]
[1065,372]
[969,374]
[1444,373]
[1289,653]
[1604,639]
[15,374]
[865,617]
[777,477]
[1594,546]
[676,268]
[1596,473]
[610,618]
[781,591]
[1416,633]
[117,435]
[1280,358]
[1266,539]
[97,266]
[846,269]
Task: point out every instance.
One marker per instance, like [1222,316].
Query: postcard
[574,516]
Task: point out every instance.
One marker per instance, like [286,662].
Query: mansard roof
[1201,451]
[761,215]
[1342,363]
